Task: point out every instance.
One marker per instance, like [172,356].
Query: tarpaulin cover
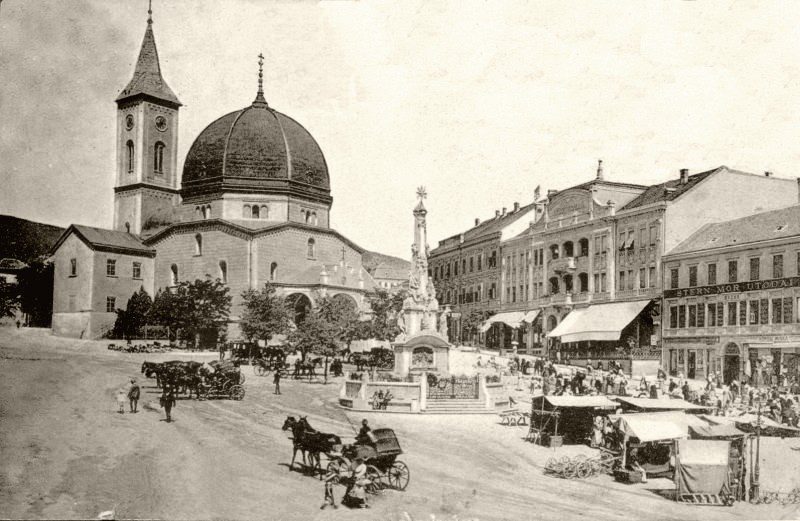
[747,422]
[656,426]
[660,403]
[702,466]
[723,430]
[530,316]
[780,459]
[510,318]
[577,401]
[598,322]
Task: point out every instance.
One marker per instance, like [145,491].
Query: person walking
[133,395]
[168,402]
[277,381]
[121,401]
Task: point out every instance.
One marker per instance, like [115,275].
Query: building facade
[731,300]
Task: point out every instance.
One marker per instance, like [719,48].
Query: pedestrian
[168,401]
[133,395]
[331,478]
[121,398]
[18,324]
[222,351]
[277,381]
[358,489]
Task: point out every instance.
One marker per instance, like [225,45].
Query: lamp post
[754,490]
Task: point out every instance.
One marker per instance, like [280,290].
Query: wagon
[384,470]
[263,367]
[224,382]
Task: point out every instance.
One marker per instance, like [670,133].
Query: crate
[556,441]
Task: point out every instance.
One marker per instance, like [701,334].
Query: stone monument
[422,343]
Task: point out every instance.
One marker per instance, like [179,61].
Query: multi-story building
[622,320]
[466,268]
[732,297]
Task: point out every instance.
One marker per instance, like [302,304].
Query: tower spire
[149,12]
[260,100]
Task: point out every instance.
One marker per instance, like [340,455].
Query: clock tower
[146,187]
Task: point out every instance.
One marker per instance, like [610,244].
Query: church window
[129,158]
[111,304]
[111,267]
[305,216]
[207,212]
[128,227]
[256,213]
[198,214]
[158,158]
[246,212]
[223,271]
[137,270]
[311,250]
[273,271]
[73,267]
[264,212]
[198,244]
[314,218]
[173,272]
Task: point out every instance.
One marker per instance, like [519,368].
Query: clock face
[161,123]
[129,121]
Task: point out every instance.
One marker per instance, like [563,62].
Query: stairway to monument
[457,406]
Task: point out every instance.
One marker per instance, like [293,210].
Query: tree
[35,287]
[193,308]
[315,335]
[9,299]
[385,309]
[472,322]
[133,318]
[265,314]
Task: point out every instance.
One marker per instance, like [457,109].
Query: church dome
[256,150]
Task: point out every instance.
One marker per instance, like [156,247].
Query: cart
[225,381]
[384,470]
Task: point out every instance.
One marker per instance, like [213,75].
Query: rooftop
[670,190]
[775,224]
[106,240]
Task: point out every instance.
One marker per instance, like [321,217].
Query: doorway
[691,364]
[730,371]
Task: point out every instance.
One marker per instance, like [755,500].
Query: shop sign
[738,287]
[708,340]
[771,338]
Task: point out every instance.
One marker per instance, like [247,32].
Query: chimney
[551,193]
[496,214]
[612,207]
[504,211]
[684,176]
[599,169]
[516,207]
[767,174]
[477,221]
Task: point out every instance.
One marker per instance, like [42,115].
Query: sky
[480,102]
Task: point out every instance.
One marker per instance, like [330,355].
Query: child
[122,397]
[331,478]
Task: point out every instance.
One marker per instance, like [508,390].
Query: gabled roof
[147,79]
[493,225]
[100,239]
[775,224]
[670,190]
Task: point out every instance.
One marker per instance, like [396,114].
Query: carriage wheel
[237,392]
[336,466]
[398,475]
[259,370]
[584,470]
[374,477]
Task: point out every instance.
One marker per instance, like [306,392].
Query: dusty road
[66,453]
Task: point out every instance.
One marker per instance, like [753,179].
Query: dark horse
[308,440]
[306,368]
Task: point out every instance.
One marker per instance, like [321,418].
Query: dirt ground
[66,453]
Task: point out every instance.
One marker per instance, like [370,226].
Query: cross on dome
[260,101]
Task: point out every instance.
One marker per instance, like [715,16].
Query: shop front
[772,360]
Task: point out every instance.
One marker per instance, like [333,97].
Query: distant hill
[26,240]
[370,260]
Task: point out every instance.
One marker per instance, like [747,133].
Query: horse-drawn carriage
[384,470]
[226,380]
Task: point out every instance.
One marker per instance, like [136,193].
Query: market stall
[568,419]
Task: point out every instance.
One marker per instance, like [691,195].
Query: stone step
[456,407]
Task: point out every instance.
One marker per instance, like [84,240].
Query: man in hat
[363,433]
[133,395]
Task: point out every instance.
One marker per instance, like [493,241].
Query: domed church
[252,205]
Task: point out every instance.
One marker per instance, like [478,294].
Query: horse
[309,441]
[306,368]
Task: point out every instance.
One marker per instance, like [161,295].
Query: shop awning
[664,404]
[598,322]
[656,426]
[566,401]
[530,316]
[509,318]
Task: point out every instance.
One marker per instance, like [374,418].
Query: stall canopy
[509,318]
[658,404]
[702,466]
[747,422]
[576,401]
[530,316]
[598,322]
[656,426]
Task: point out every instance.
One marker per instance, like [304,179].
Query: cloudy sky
[478,101]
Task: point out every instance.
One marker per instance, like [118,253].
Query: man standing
[168,401]
[277,381]
[133,395]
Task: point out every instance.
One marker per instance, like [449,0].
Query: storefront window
[742,313]
[753,312]
[681,316]
[764,314]
[787,310]
[731,313]
[701,315]
[712,315]
[692,315]
[673,317]
[777,310]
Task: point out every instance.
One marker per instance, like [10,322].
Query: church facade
[251,206]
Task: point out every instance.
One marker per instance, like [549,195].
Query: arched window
[198,213]
[568,249]
[207,212]
[553,285]
[583,282]
[129,158]
[553,251]
[256,212]
[223,271]
[158,158]
[264,211]
[583,247]
[128,227]
[273,271]
[314,218]
[198,244]
[246,211]
[173,272]
[568,283]
[311,251]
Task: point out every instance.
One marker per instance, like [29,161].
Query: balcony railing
[563,265]
[637,292]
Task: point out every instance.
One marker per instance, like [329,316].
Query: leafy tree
[315,335]
[9,299]
[472,322]
[133,318]
[385,309]
[165,312]
[35,287]
[265,315]
[193,308]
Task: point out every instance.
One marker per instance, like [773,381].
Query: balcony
[637,293]
[561,299]
[563,265]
